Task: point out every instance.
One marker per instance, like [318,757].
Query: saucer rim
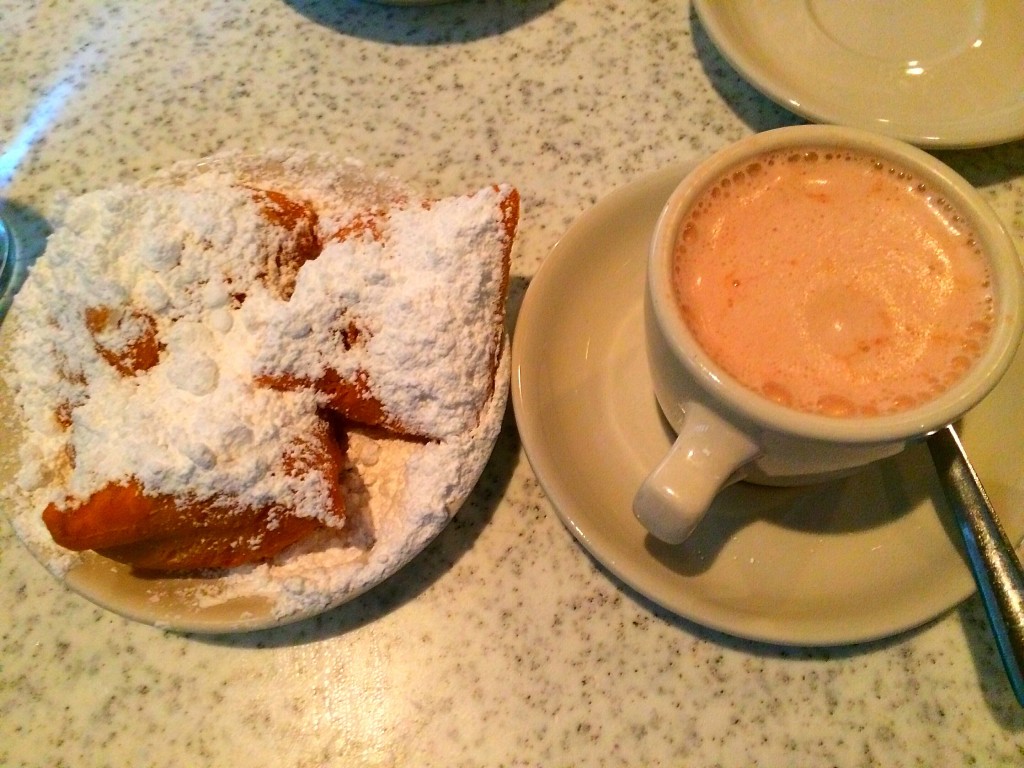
[992,128]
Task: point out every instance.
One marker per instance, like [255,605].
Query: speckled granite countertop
[504,643]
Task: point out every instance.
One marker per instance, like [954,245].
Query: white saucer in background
[937,73]
[838,563]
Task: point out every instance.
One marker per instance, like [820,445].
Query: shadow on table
[986,166]
[999,697]
[751,106]
[455,22]
[995,687]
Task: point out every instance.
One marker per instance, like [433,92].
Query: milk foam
[834,283]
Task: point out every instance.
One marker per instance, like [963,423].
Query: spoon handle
[995,565]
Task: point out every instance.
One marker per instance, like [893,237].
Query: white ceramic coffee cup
[726,432]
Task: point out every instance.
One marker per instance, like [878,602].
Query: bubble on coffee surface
[863,268]
[849,322]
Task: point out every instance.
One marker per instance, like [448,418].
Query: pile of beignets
[190,351]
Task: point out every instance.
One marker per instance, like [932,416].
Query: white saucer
[844,562]
[937,74]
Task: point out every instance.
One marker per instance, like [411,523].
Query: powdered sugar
[160,257]
[401,495]
[410,269]
[171,257]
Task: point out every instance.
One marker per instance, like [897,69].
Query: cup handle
[705,456]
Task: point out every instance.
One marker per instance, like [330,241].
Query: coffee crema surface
[833,282]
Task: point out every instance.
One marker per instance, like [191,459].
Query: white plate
[411,510]
[938,73]
[843,562]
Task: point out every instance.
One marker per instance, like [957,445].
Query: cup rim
[922,420]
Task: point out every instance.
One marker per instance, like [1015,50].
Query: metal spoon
[995,565]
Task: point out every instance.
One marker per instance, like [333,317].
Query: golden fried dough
[172,533]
